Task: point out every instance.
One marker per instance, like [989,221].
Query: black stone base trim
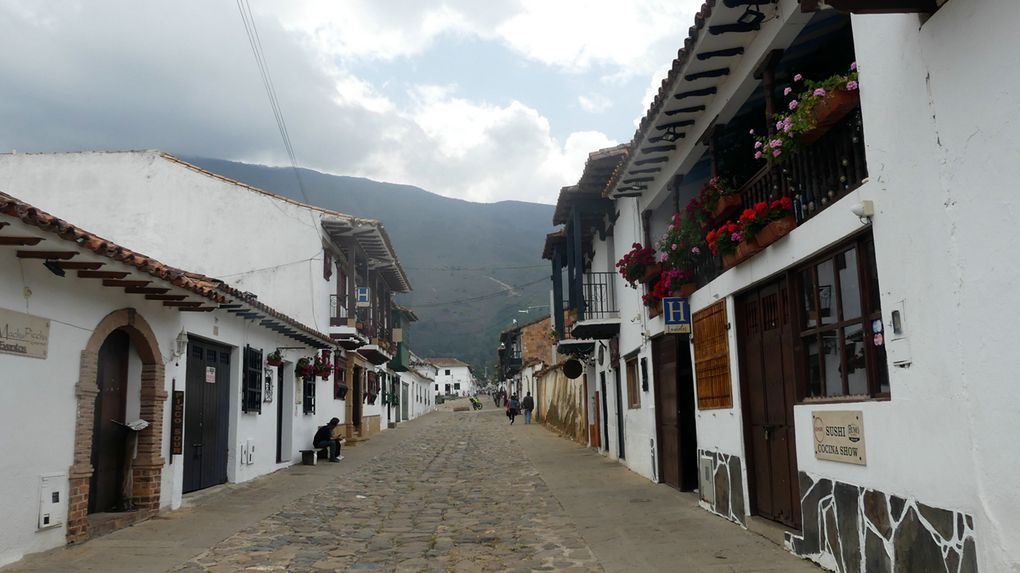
[728,476]
[852,529]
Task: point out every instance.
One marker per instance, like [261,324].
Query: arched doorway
[108,340]
[110,438]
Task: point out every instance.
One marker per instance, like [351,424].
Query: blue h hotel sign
[362,297]
[677,312]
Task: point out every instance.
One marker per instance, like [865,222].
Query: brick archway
[147,470]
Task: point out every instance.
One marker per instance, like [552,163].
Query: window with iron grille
[251,400]
[308,394]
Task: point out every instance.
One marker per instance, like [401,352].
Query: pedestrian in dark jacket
[528,404]
[326,437]
[512,408]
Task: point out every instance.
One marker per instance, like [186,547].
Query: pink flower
[788,120]
[669,228]
[798,77]
[793,104]
[675,247]
[853,67]
[696,250]
[757,145]
[779,125]
[757,155]
[661,257]
[736,237]
[851,85]
[777,152]
[776,143]
[787,128]
[820,92]
[787,91]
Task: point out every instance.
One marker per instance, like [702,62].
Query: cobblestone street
[452,491]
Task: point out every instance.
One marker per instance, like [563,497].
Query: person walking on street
[512,408]
[528,404]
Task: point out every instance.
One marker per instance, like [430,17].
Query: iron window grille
[251,401]
[308,394]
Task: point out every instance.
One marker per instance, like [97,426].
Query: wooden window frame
[870,310]
[633,383]
[713,380]
[251,396]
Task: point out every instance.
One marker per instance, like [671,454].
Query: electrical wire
[479,297]
[467,269]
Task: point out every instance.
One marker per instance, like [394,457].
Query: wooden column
[578,282]
[571,263]
[557,279]
[352,283]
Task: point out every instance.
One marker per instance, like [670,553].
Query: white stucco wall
[263,244]
[458,375]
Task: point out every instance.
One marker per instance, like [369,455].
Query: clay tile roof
[446,362]
[213,289]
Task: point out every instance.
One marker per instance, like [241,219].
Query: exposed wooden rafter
[146,290]
[724,53]
[736,27]
[102,274]
[20,241]
[707,74]
[679,110]
[80,266]
[651,160]
[166,296]
[657,148]
[60,255]
[182,303]
[645,170]
[696,93]
[124,283]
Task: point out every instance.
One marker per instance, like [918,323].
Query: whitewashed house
[332,271]
[90,330]
[453,377]
[418,381]
[847,380]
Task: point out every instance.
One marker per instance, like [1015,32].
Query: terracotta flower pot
[746,249]
[775,231]
[655,309]
[727,204]
[686,289]
[274,361]
[651,273]
[827,112]
[730,260]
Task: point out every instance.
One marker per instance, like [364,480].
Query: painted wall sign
[23,334]
[210,374]
[177,424]
[839,436]
[362,297]
[677,313]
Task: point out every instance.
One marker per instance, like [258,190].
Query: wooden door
[206,415]
[620,450]
[765,333]
[279,414]
[358,396]
[676,429]
[605,413]
[594,430]
[109,439]
[404,402]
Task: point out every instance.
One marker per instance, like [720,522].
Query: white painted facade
[940,118]
[454,379]
[419,381]
[40,422]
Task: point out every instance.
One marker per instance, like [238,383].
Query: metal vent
[707,467]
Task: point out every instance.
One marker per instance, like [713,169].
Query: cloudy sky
[482,100]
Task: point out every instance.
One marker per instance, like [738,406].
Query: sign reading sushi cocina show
[23,334]
[839,436]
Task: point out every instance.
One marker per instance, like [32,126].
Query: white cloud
[596,103]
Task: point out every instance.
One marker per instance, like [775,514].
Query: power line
[267,82]
[477,298]
[466,269]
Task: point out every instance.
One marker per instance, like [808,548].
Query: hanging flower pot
[274,359]
[726,205]
[686,289]
[775,231]
[304,368]
[651,272]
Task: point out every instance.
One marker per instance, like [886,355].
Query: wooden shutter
[252,399]
[712,357]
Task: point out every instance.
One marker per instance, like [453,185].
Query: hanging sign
[23,334]
[177,424]
[210,374]
[839,436]
[676,311]
[362,297]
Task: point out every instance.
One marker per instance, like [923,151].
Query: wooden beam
[123,283]
[735,27]
[101,274]
[724,53]
[675,124]
[183,303]
[691,109]
[146,290]
[197,308]
[707,74]
[884,6]
[657,149]
[651,160]
[229,306]
[696,93]
[645,170]
[638,180]
[80,266]
[166,296]
[62,255]
[20,241]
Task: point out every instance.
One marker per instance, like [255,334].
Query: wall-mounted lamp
[54,267]
[751,16]
[182,343]
[864,210]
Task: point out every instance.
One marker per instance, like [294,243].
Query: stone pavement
[452,491]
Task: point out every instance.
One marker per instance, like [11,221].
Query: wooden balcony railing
[599,291]
[337,311]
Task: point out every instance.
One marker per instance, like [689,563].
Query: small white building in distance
[453,377]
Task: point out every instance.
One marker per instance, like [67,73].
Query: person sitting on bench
[326,437]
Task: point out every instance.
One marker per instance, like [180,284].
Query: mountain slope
[452,250]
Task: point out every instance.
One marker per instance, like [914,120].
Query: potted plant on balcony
[719,199]
[323,366]
[780,221]
[638,265]
[816,107]
[274,358]
[675,282]
[724,242]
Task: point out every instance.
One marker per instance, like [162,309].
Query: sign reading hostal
[23,334]
[676,312]
[839,436]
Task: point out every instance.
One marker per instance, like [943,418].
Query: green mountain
[462,257]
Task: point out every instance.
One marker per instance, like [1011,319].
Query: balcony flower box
[686,289]
[726,206]
[652,273]
[775,231]
[274,359]
[829,111]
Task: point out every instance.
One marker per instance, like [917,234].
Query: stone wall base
[729,487]
[851,529]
